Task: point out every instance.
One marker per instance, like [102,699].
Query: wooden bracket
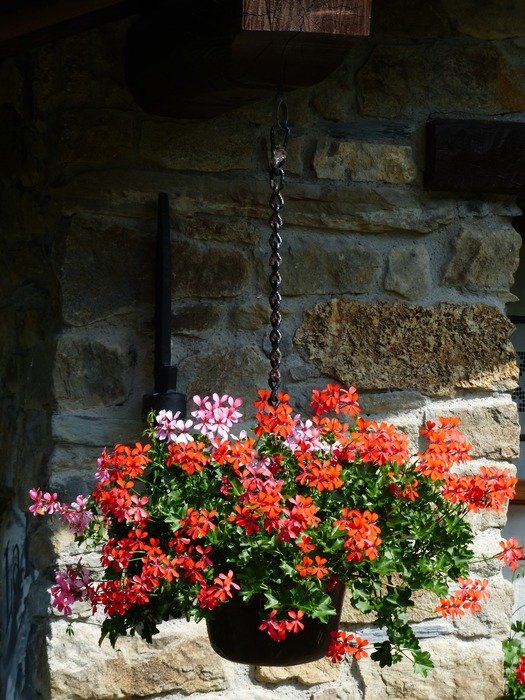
[473,155]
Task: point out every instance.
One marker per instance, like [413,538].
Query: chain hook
[279,135]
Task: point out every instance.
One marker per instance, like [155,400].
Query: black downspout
[165,395]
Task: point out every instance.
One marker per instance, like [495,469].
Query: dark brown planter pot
[234,634]
[202,58]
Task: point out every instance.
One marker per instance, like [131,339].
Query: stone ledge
[179,660]
[322,671]
[458,674]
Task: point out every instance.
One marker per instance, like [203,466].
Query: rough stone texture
[322,671]
[237,230]
[494,618]
[457,674]
[210,146]
[364,162]
[364,208]
[485,257]
[485,546]
[74,149]
[82,70]
[391,401]
[177,662]
[252,315]
[408,272]
[342,265]
[491,19]
[485,520]
[493,430]
[443,77]
[118,281]
[200,270]
[196,320]
[95,135]
[90,372]
[350,691]
[437,350]
[95,430]
[235,372]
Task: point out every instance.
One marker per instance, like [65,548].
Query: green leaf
[422,663]
[383,654]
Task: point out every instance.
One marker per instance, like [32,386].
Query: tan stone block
[179,660]
[346,265]
[362,161]
[438,350]
[205,270]
[353,616]
[222,229]
[485,257]
[349,690]
[408,272]
[486,519]
[322,671]
[128,260]
[90,371]
[463,671]
[425,603]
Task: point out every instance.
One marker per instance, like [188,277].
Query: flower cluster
[194,517]
[514,663]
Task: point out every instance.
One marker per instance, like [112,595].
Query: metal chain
[279,134]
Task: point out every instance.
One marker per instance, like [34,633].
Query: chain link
[279,134]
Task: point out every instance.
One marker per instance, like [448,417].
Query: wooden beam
[28,23]
[471,155]
[349,17]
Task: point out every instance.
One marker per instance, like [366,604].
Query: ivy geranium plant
[195,515]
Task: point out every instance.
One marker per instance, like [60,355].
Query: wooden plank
[471,155]
[350,17]
[28,23]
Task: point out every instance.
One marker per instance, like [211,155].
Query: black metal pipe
[165,395]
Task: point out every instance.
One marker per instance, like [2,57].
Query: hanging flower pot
[201,58]
[194,518]
[238,632]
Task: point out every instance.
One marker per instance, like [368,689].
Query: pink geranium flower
[72,585]
[171,428]
[76,515]
[217,416]
[44,503]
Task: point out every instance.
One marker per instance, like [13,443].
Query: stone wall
[29,319]
[386,285]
